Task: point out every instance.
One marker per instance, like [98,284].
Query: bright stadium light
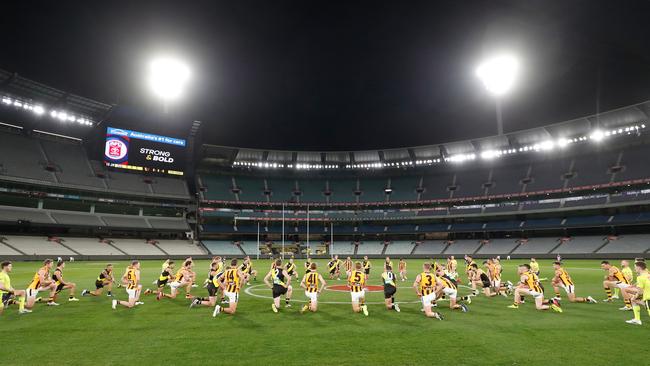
[168,78]
[498,74]
[597,135]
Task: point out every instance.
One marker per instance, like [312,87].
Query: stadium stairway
[70,249]
[515,248]
[116,248]
[159,248]
[602,246]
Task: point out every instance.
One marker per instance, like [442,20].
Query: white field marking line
[249,292]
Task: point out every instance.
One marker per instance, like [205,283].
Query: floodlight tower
[167,78]
[498,74]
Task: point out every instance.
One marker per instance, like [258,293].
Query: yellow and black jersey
[447,282]
[348,265]
[532,281]
[331,265]
[291,268]
[246,268]
[57,276]
[232,280]
[564,277]
[451,265]
[388,279]
[468,265]
[131,279]
[311,282]
[496,273]
[357,281]
[36,280]
[366,265]
[279,278]
[618,275]
[427,283]
[164,275]
[178,277]
[219,267]
[307,266]
[402,265]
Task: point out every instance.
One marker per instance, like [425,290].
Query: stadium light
[597,135]
[168,78]
[498,73]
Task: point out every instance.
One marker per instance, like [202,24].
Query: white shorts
[427,299]
[534,294]
[570,289]
[357,296]
[32,292]
[175,284]
[622,285]
[496,284]
[313,296]
[233,297]
[451,292]
[132,293]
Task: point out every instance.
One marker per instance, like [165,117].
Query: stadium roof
[633,115]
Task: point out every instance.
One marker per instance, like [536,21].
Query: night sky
[336,74]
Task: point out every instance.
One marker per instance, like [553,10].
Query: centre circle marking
[249,291]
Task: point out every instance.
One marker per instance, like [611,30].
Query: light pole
[498,74]
[167,78]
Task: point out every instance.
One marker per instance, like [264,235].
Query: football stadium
[295,200]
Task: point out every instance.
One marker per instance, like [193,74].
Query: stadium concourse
[574,191]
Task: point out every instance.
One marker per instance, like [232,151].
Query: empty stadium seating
[223,247]
[500,247]
[343,248]
[463,247]
[627,244]
[430,247]
[179,247]
[37,245]
[370,248]
[400,248]
[537,246]
[581,244]
[137,247]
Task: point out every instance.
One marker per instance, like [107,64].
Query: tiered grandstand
[576,189]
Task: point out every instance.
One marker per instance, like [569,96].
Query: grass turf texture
[166,331]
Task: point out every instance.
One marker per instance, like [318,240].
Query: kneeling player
[105,279]
[448,287]
[313,283]
[131,280]
[281,285]
[61,284]
[162,280]
[529,285]
[388,278]
[563,279]
[183,278]
[640,294]
[212,287]
[230,284]
[424,286]
[41,282]
[7,293]
[357,283]
[615,279]
[479,278]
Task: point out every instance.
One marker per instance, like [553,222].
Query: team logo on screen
[115,149]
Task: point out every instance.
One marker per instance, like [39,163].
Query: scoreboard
[144,152]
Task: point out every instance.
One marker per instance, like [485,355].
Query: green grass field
[90,332]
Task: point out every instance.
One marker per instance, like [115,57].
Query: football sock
[637,312]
